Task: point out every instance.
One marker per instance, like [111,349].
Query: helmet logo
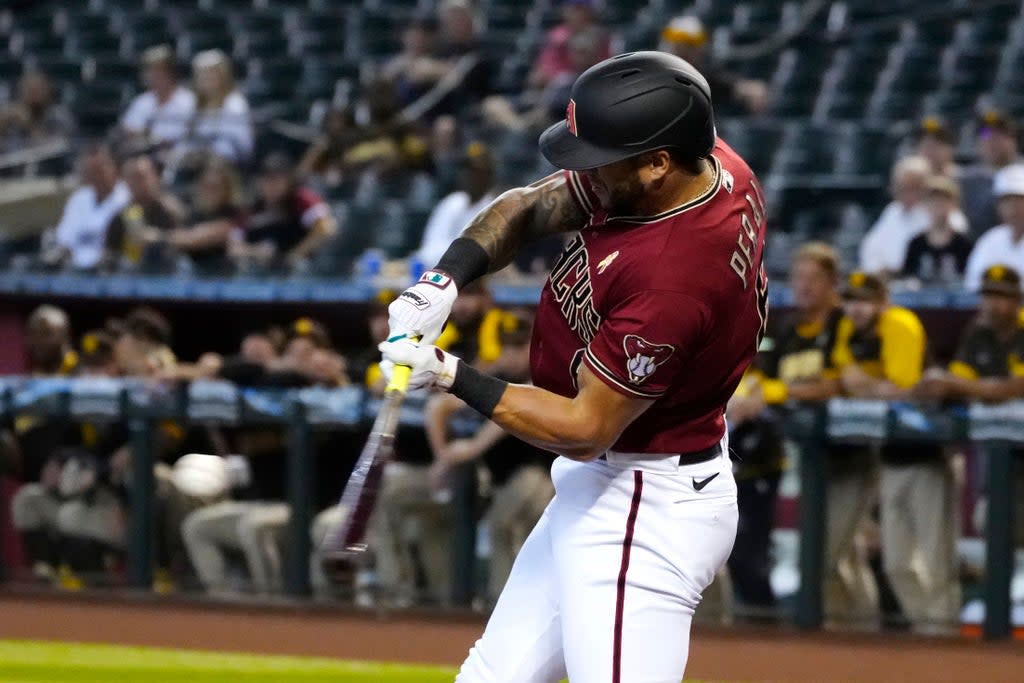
[570,117]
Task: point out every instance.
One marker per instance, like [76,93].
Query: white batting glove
[431,367]
[422,309]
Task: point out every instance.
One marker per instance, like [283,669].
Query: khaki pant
[405,512]
[254,528]
[323,523]
[920,525]
[850,592]
[34,508]
[98,517]
[516,507]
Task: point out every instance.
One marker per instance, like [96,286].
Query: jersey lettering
[570,283]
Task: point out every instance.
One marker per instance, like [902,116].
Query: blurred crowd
[220,494]
[188,181]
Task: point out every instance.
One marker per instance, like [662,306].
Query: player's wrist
[480,391]
[464,261]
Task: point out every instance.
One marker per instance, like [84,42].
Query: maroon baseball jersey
[668,307]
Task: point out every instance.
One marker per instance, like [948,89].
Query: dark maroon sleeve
[642,345]
[581,191]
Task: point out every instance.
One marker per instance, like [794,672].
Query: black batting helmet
[630,104]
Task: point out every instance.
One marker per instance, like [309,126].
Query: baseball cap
[935,127]
[944,185]
[478,155]
[995,119]
[306,327]
[1002,280]
[864,286]
[686,29]
[1009,181]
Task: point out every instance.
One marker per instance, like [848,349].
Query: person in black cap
[287,223]
[934,142]
[649,318]
[987,366]
[997,148]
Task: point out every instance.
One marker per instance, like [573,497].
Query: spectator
[325,158]
[165,110]
[939,254]
[686,37]
[287,224]
[879,354]
[48,340]
[997,147]
[1002,244]
[795,363]
[518,472]
[89,211]
[885,246]
[143,349]
[411,69]
[987,365]
[215,212]
[535,110]
[935,143]
[555,61]
[151,212]
[466,70]
[452,214]
[221,124]
[34,117]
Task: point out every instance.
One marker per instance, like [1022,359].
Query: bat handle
[401,374]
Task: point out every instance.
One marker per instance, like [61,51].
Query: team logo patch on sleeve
[436,278]
[643,357]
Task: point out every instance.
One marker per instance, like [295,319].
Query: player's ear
[659,163]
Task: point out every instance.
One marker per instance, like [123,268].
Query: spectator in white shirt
[222,123]
[1003,244]
[164,112]
[453,213]
[89,211]
[885,246]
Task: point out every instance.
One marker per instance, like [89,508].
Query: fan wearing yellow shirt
[989,364]
[880,354]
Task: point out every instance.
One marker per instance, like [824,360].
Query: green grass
[47,662]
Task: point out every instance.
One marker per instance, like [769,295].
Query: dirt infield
[745,656]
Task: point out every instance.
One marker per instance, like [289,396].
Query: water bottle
[416,268]
[369,263]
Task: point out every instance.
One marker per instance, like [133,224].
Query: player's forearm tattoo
[524,214]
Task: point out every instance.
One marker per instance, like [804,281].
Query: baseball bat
[359,498]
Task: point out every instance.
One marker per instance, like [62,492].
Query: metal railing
[997,429]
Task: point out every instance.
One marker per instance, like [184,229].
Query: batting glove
[431,367]
[422,309]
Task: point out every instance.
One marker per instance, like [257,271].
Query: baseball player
[643,330]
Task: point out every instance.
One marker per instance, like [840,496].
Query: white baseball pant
[606,584]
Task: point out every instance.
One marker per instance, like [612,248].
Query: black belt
[694,458]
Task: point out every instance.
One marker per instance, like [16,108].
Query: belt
[695,457]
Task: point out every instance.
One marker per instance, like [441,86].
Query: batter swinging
[643,330]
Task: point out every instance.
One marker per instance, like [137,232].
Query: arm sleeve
[66,229]
[311,208]
[841,354]
[903,343]
[961,365]
[134,118]
[643,344]
[582,193]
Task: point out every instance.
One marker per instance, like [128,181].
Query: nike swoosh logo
[699,485]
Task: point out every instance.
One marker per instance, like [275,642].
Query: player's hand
[431,367]
[422,309]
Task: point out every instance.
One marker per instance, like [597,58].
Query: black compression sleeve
[481,392]
[464,261]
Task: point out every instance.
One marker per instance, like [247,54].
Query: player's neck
[678,189]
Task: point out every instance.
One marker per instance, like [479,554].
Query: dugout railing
[143,405]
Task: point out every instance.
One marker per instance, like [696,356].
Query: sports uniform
[918,494]
[667,309]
